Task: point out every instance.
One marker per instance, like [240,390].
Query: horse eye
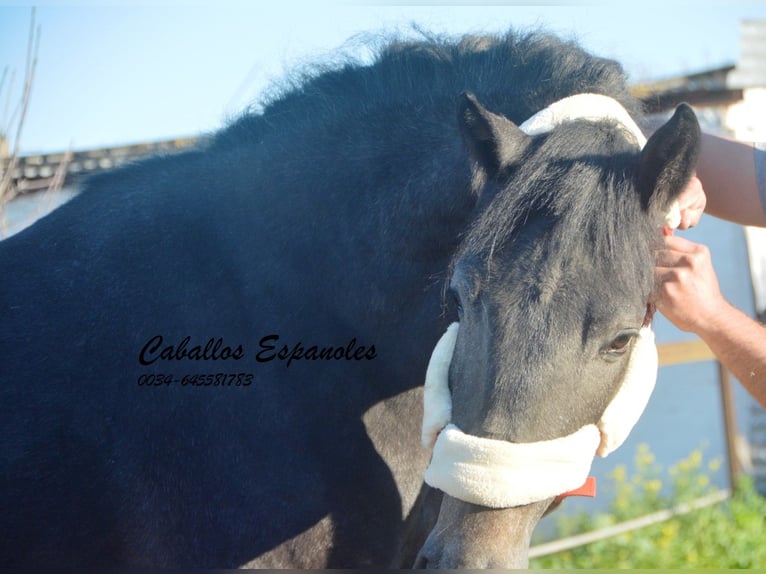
[458,304]
[621,343]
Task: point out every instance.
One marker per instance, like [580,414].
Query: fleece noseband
[502,474]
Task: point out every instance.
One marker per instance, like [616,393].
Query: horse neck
[364,216]
[415,200]
[390,213]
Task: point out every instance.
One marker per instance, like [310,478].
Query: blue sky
[115,72]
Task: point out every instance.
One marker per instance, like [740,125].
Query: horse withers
[215,358]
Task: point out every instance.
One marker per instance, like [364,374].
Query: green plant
[16,123]
[729,534]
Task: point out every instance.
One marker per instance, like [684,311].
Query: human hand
[686,286]
[692,201]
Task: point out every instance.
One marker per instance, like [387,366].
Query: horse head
[551,284]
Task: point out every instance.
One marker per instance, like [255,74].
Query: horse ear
[494,141]
[668,160]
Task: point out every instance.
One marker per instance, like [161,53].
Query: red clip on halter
[588,489]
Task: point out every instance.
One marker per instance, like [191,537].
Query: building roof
[35,172]
[715,87]
[751,67]
[706,88]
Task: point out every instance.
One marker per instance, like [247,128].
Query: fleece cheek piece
[437,400]
[627,406]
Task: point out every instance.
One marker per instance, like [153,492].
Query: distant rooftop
[705,88]
[751,67]
[714,87]
[35,172]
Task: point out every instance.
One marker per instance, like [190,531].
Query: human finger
[680,244]
[691,202]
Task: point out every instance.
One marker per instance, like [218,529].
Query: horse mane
[381,114]
[401,79]
[515,74]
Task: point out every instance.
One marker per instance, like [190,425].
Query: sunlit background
[124,72]
[116,73]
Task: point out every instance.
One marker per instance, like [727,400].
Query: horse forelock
[561,252]
[574,192]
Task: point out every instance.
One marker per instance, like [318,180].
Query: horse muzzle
[468,536]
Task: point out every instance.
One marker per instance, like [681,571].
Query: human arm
[733,174]
[688,294]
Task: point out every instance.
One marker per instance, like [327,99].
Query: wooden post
[730,425]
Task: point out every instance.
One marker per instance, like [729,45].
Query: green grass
[731,534]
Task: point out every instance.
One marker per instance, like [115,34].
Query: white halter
[501,474]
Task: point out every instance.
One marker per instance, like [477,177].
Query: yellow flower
[653,486]
[668,533]
[620,473]
[695,458]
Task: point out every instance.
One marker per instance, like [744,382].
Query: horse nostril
[423,563]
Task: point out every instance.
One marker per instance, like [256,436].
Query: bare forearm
[727,169]
[688,294]
[739,342]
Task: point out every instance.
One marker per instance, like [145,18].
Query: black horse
[215,358]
